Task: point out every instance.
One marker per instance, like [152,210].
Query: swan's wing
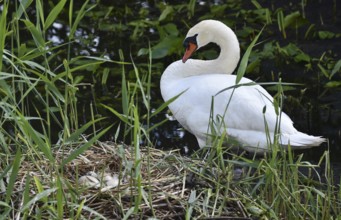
[244,111]
[251,108]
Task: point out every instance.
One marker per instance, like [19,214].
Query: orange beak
[191,48]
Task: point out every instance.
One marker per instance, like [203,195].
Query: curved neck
[228,58]
[226,62]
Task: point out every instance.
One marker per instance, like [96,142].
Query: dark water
[109,27]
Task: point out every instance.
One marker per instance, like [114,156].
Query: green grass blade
[13,176]
[26,194]
[40,196]
[5,171]
[165,104]
[291,18]
[60,197]
[83,148]
[4,204]
[75,135]
[3,21]
[336,68]
[71,12]
[22,7]
[141,87]
[128,213]
[39,186]
[5,210]
[191,202]
[93,212]
[39,13]
[280,21]
[36,34]
[29,131]
[53,14]
[126,119]
[138,176]
[124,89]
[80,208]
[245,59]
[256,4]
[157,125]
[79,17]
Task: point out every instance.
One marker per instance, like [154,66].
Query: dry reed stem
[169,183]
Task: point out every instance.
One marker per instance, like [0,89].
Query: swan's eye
[192,40]
[191,46]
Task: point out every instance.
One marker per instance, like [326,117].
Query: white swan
[201,80]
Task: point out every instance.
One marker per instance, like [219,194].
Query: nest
[150,183]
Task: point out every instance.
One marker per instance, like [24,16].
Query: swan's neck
[229,55]
[227,60]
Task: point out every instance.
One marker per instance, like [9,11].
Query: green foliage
[38,99]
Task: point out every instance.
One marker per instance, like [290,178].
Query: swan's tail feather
[301,140]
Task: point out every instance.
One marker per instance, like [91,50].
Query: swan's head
[205,32]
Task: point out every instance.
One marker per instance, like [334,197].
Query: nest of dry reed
[164,185]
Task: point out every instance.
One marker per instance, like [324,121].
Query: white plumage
[241,110]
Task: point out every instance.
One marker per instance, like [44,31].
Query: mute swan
[199,82]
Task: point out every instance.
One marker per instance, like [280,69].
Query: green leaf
[291,18]
[143,51]
[245,59]
[326,35]
[53,14]
[165,47]
[302,57]
[171,29]
[336,68]
[166,12]
[323,70]
[256,4]
[309,31]
[280,21]
[253,66]
[333,84]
